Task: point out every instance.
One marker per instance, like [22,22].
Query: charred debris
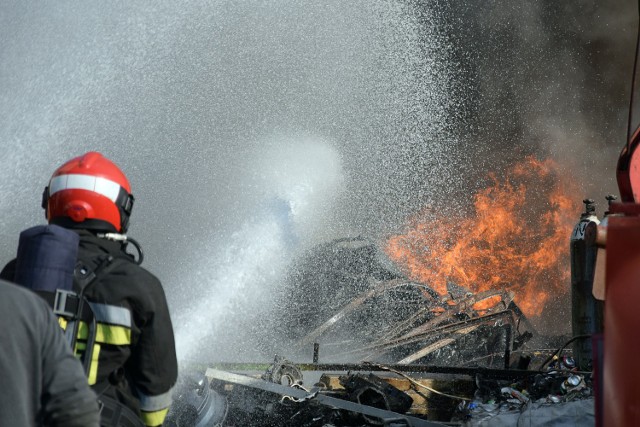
[373,348]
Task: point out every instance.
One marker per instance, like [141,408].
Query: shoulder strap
[84,277]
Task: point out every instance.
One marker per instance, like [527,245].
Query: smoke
[552,80]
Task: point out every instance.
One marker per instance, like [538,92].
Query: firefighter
[133,366]
[42,383]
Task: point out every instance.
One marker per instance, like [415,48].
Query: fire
[516,239]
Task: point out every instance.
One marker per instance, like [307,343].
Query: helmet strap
[124,202]
[45,199]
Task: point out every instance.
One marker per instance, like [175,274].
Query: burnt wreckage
[423,359]
[348,297]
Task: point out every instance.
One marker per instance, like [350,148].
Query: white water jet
[296,180]
[240,273]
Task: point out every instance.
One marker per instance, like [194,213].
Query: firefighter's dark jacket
[41,382]
[134,358]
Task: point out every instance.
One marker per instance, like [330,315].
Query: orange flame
[517,239]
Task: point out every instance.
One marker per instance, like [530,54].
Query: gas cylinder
[586,311]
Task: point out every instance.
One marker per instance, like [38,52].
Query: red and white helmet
[89,192]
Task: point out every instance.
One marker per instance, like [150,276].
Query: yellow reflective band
[83,331]
[93,368]
[115,335]
[107,334]
[63,323]
[154,418]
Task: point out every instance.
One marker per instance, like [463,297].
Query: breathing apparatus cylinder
[586,311]
[46,258]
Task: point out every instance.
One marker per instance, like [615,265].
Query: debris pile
[348,298]
[383,350]
[559,391]
[368,394]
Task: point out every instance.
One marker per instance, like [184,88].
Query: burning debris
[432,294]
[392,319]
[438,359]
[433,329]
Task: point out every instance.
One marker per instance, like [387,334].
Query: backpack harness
[48,264]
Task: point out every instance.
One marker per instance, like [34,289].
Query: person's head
[89,192]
